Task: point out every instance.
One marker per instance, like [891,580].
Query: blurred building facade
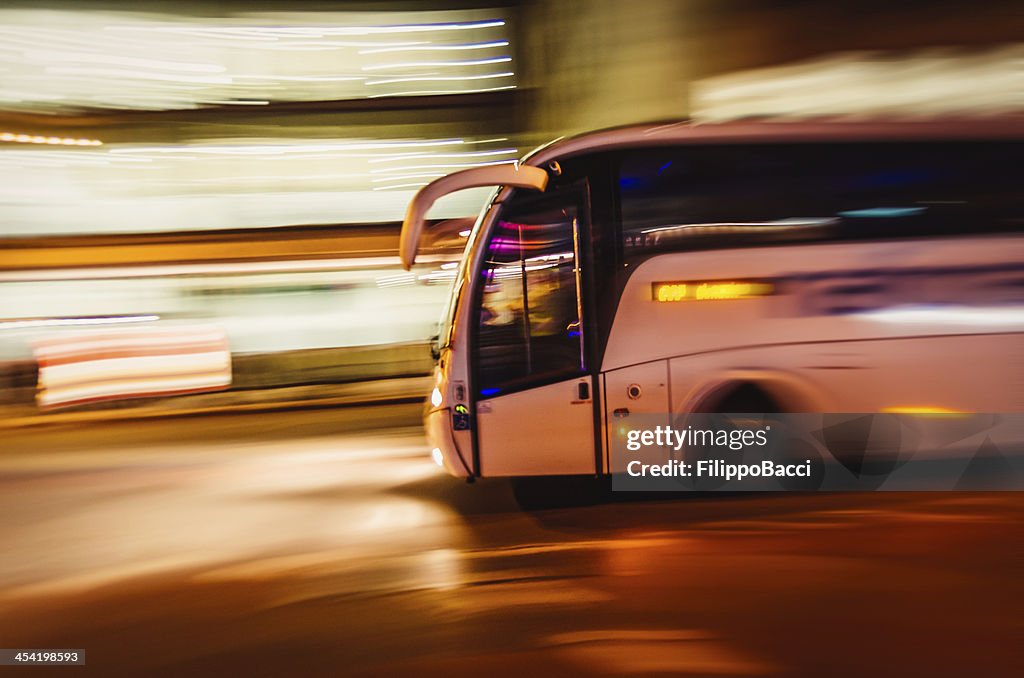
[600,63]
[247,115]
[146,153]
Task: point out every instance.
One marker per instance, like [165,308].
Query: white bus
[741,267]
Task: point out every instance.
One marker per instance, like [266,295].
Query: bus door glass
[532,384]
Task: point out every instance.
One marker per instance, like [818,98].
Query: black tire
[550,492]
[747,399]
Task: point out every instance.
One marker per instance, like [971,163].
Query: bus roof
[681,132]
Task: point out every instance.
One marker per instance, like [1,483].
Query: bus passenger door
[533,388]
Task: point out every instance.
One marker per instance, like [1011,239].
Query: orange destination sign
[711,290]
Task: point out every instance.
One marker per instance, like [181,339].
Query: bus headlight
[436,455]
[435,397]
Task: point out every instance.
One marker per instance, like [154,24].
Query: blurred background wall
[246,164]
[598,63]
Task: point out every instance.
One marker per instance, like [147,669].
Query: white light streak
[454,165]
[417,175]
[75,322]
[466,154]
[278,149]
[228,269]
[53,61]
[304,78]
[396,280]
[747,226]
[214,183]
[442,78]
[242,32]
[392,188]
[949,315]
[439,64]
[236,102]
[427,92]
[114,60]
[437,48]
[139,75]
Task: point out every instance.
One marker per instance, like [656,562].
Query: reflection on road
[295,542]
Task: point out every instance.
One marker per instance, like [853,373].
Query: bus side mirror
[519,176]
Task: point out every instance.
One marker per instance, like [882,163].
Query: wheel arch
[789,392]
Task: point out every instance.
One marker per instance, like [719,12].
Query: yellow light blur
[710,290]
[49,141]
[924,410]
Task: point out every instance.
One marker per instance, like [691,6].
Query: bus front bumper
[438,424]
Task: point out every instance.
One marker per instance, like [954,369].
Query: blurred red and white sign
[131,362]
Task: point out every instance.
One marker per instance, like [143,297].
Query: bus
[814,266]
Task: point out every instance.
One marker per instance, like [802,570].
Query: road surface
[327,543]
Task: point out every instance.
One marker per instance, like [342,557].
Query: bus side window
[736,195]
[528,328]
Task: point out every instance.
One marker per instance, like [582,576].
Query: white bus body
[880,305]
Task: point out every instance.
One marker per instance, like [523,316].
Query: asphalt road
[328,543]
